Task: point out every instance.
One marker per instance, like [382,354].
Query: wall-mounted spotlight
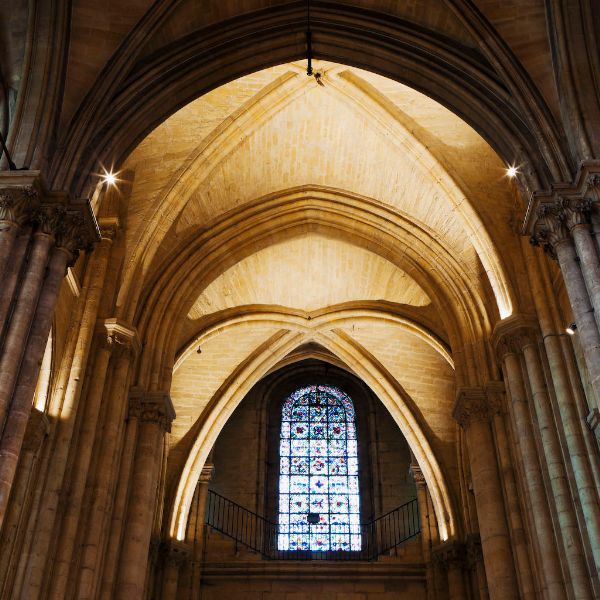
[512,172]
[572,328]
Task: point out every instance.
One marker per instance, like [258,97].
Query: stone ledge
[316,570]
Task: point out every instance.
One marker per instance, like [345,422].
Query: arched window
[319,502]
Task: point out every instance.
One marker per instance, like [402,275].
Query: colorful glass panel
[319,502]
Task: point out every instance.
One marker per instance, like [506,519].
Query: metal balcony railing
[259,534]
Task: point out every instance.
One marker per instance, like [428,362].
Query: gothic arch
[489,90]
[208,255]
[360,362]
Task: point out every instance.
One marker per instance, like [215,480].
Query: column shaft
[20,409]
[70,521]
[10,278]
[140,512]
[579,448]
[105,476]
[519,541]
[21,319]
[472,412]
[587,328]
[8,233]
[425,526]
[456,585]
[118,514]
[558,477]
[550,564]
[170,578]
[199,537]
[590,265]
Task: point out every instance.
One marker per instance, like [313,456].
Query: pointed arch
[389,391]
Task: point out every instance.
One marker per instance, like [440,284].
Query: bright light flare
[109,178]
[512,171]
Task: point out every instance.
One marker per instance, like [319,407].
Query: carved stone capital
[417,475]
[513,334]
[471,405]
[550,229]
[593,187]
[119,338]
[175,553]
[152,407]
[575,211]
[109,226]
[17,204]
[549,203]
[206,475]
[496,395]
[450,555]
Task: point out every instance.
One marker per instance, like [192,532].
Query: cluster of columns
[474,412]
[91,458]
[179,574]
[40,236]
[564,226]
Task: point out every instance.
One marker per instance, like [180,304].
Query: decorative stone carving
[452,554]
[18,204]
[471,405]
[593,187]
[109,226]
[49,219]
[118,338]
[550,229]
[496,395]
[417,474]
[574,212]
[206,475]
[152,407]
[175,553]
[512,335]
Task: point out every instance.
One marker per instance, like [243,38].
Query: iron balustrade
[259,534]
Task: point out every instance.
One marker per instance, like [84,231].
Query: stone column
[576,215]
[472,413]
[16,204]
[107,476]
[508,344]
[175,554]
[156,414]
[11,275]
[23,314]
[451,556]
[199,535]
[114,338]
[474,561]
[18,510]
[426,544]
[569,414]
[56,226]
[117,521]
[497,403]
[551,232]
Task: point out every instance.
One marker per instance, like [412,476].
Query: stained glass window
[319,502]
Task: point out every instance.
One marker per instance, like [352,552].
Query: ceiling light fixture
[572,328]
